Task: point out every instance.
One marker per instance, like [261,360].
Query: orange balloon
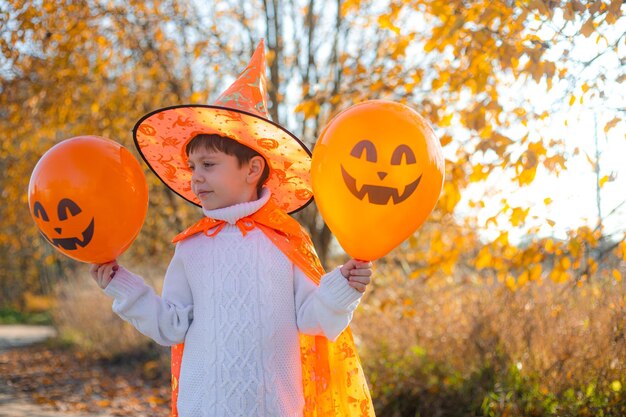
[377,172]
[89,197]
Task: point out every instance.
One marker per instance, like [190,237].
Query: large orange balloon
[88,196]
[377,173]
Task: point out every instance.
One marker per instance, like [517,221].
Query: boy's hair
[244,154]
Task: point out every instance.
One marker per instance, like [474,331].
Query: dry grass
[561,335]
[83,316]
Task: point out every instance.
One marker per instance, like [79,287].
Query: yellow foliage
[95,70]
[309,108]
[34,303]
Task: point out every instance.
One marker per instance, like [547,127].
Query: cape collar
[236,212]
[269,216]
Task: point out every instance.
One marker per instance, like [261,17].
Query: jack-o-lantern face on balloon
[377,173]
[88,196]
[69,230]
[400,165]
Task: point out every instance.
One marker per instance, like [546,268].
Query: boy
[241,290]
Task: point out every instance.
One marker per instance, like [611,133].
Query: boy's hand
[103,273]
[357,273]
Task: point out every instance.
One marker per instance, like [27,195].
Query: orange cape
[332,377]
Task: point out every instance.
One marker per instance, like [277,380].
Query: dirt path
[15,404]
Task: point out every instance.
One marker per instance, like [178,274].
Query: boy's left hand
[357,273]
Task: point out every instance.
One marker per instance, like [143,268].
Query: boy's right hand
[103,273]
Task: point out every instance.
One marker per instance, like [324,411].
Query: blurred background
[510,300]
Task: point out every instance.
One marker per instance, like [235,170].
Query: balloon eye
[403,150]
[66,205]
[39,212]
[365,146]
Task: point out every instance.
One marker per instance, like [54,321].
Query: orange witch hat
[240,113]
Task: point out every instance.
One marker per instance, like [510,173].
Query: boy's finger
[360,272]
[357,286]
[360,279]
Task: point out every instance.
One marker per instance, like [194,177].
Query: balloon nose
[58,230]
[382,175]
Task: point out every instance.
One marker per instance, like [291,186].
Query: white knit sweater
[238,303]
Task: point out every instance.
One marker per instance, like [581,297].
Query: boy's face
[218,180]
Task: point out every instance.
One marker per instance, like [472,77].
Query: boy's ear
[255,168]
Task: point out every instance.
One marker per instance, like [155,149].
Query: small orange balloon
[89,197]
[377,172]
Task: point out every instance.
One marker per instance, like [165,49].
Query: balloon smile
[378,194]
[69,243]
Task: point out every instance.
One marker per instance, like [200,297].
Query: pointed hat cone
[249,91]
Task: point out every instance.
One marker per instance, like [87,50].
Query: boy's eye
[208,164]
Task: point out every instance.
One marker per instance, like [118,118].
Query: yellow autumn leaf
[523,278]
[572,100]
[617,275]
[616,386]
[510,283]
[547,201]
[348,6]
[527,176]
[308,108]
[384,21]
[451,196]
[483,260]
[479,173]
[445,139]
[196,97]
[518,216]
[502,239]
[611,124]
[588,28]
[603,181]
[535,272]
[446,120]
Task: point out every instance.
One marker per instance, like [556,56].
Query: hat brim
[162,135]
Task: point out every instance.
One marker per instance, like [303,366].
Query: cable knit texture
[238,304]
